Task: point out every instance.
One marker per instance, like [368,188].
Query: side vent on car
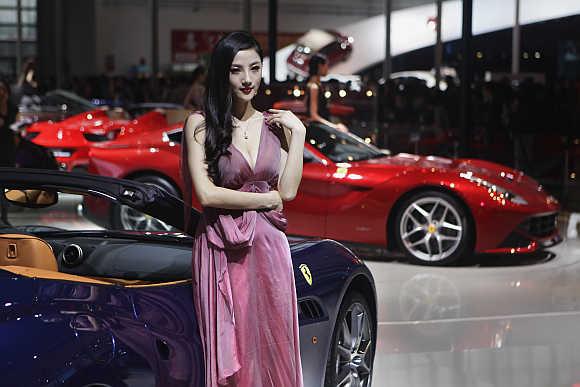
[310,309]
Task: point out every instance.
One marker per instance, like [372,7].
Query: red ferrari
[434,210]
[70,139]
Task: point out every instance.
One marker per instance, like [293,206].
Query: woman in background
[316,102]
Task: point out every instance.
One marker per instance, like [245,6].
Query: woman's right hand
[275,201]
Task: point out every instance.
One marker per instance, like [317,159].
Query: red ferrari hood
[480,168]
[492,172]
[409,160]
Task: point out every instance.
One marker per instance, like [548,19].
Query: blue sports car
[82,305]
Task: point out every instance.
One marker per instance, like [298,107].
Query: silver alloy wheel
[354,349]
[134,220]
[431,229]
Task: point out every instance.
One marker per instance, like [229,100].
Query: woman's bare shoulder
[195,119]
[195,125]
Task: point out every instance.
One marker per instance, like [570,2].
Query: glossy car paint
[356,202]
[71,139]
[74,334]
[62,333]
[71,333]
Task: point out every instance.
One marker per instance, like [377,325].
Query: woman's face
[245,74]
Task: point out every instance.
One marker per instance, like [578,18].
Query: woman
[194,98]
[243,164]
[316,105]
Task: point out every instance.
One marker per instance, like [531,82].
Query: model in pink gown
[243,282]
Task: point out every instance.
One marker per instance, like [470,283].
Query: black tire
[336,367]
[154,180]
[437,243]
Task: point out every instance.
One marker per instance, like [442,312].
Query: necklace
[245,125]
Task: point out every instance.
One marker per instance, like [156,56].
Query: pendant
[245,135]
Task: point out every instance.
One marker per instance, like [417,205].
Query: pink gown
[243,282]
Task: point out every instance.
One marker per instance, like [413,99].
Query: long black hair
[315,61]
[218,97]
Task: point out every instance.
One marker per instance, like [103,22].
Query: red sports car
[70,139]
[435,210]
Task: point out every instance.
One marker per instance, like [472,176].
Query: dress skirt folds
[243,282]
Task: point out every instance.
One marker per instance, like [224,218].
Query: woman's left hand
[286,119]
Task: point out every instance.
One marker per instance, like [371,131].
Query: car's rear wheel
[352,348]
[127,218]
[433,228]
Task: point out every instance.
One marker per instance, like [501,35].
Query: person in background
[27,83]
[194,98]
[316,102]
[142,70]
[16,151]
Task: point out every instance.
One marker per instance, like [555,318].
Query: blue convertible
[83,305]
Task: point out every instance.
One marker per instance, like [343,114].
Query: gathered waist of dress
[232,229]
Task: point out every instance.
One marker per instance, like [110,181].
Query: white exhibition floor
[501,321]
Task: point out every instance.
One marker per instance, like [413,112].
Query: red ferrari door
[307,212]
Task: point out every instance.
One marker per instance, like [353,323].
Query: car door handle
[162,349]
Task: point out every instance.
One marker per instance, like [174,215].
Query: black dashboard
[122,258]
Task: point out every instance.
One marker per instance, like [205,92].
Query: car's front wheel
[352,348]
[433,228]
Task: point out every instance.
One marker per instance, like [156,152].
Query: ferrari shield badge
[306,273]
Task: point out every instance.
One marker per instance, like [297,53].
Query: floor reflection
[496,321]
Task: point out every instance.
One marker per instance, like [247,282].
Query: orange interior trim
[160,284]
[31,272]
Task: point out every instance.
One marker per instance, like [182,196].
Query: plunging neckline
[257,152]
